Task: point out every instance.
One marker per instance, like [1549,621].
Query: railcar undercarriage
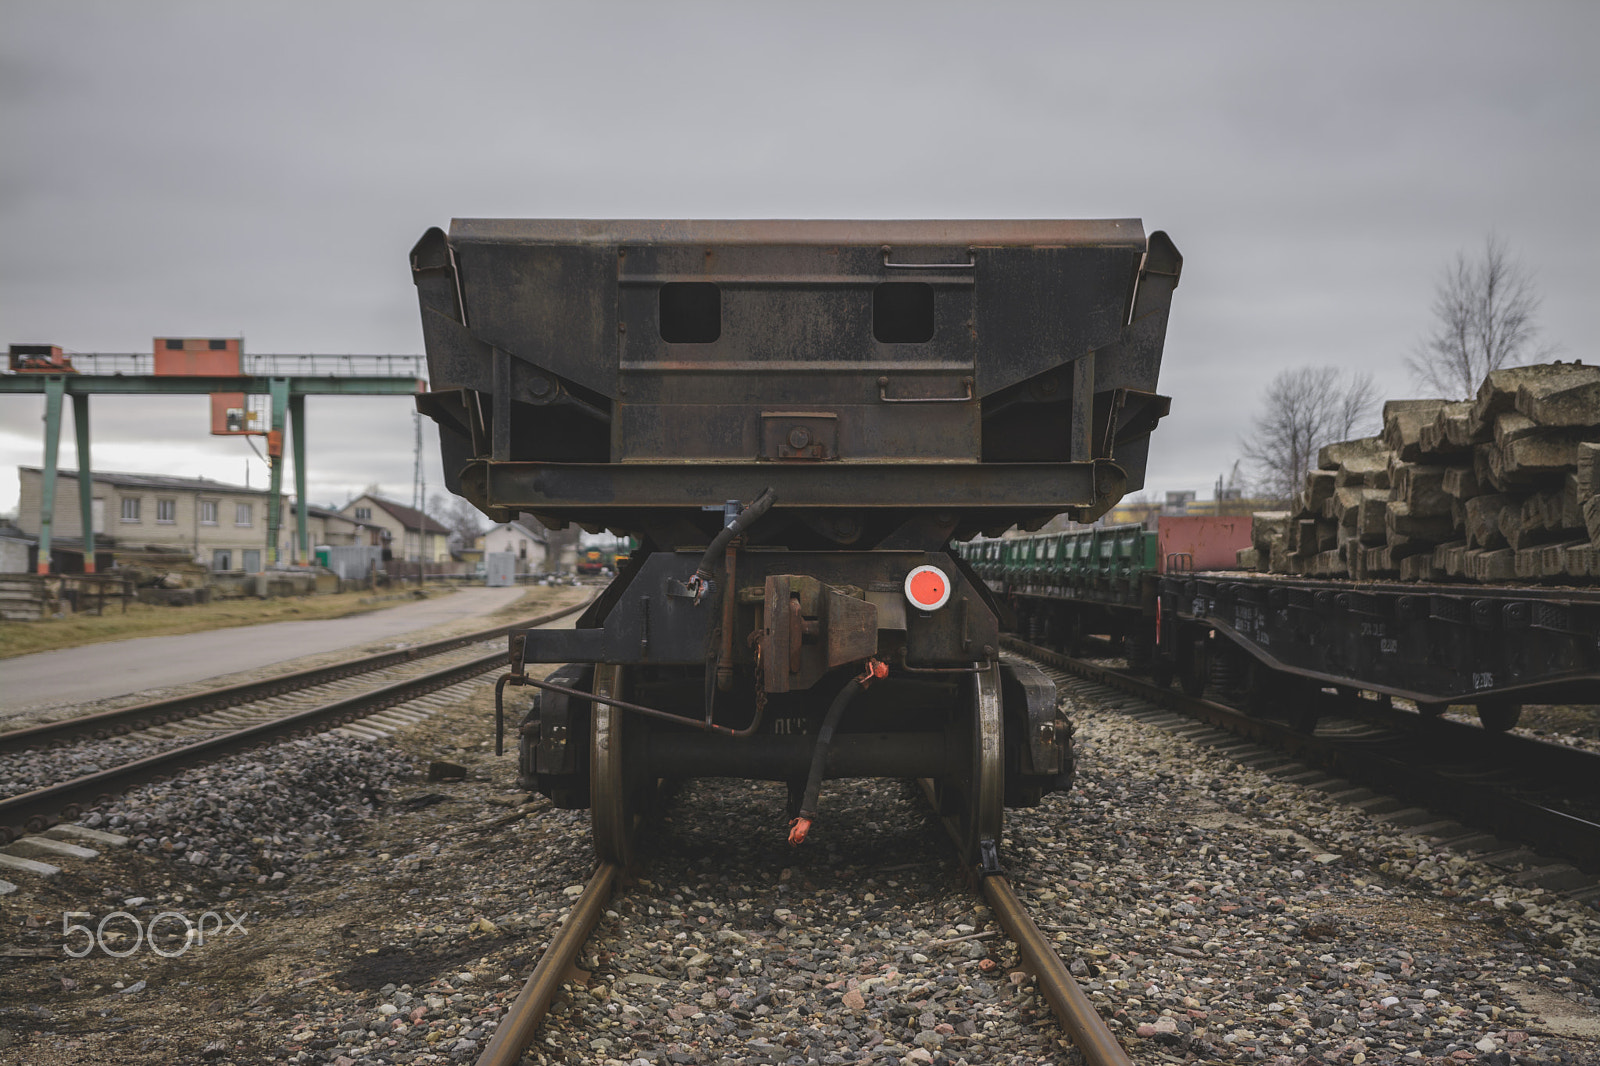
[829,682]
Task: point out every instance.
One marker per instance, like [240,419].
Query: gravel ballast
[1212,913]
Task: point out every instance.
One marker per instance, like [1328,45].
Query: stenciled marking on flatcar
[1482,680]
[789,727]
[1389,645]
[1373,629]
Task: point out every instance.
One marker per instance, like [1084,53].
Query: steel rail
[160,712]
[516,1030]
[1083,1024]
[1553,831]
[36,811]
[1077,1015]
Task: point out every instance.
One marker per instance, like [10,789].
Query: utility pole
[419,489]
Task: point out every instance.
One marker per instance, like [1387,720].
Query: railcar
[793,419]
[1173,601]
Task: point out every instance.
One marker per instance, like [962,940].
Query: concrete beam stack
[1503,487]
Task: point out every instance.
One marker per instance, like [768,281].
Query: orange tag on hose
[876,670]
[797,831]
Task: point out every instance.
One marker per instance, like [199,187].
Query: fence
[394,366]
[29,597]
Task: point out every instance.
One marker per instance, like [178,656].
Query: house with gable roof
[409,534]
[526,542]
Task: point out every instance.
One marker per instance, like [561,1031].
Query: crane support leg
[54,388]
[80,423]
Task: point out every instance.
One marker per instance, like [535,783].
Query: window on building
[208,512]
[244,514]
[252,560]
[130,508]
[218,345]
[167,511]
[221,559]
[174,344]
[363,514]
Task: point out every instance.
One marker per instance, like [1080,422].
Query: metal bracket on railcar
[1040,760]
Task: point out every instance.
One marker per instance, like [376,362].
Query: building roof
[325,512]
[155,481]
[521,527]
[409,517]
[11,531]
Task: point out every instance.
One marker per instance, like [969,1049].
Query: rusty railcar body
[794,419]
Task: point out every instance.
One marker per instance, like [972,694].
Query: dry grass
[542,598]
[147,620]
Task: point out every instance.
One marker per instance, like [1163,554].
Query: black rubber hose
[719,544]
[819,755]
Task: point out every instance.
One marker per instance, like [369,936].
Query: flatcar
[793,419]
[1064,586]
[1175,603]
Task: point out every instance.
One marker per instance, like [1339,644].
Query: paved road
[116,668]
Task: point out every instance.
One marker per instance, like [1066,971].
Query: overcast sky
[209,169]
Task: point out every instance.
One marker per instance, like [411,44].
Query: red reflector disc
[927,588]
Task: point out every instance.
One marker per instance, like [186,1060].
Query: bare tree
[458,516]
[1305,408]
[1484,313]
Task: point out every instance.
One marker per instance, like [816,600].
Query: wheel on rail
[1498,716]
[1264,689]
[1073,640]
[1194,668]
[981,814]
[614,782]
[1302,704]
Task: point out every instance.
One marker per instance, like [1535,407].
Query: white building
[222,526]
[410,535]
[526,544]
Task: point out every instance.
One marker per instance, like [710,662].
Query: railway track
[300,683]
[1073,1009]
[227,732]
[1515,792]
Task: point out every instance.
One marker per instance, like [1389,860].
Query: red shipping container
[1213,541]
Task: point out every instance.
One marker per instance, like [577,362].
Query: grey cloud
[205,169]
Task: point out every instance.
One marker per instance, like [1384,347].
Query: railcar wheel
[981,813]
[1302,704]
[613,787]
[1194,668]
[1497,716]
[1263,689]
[1075,635]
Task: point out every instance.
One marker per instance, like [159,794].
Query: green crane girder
[288,395]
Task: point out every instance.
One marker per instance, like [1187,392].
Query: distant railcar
[1172,600]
